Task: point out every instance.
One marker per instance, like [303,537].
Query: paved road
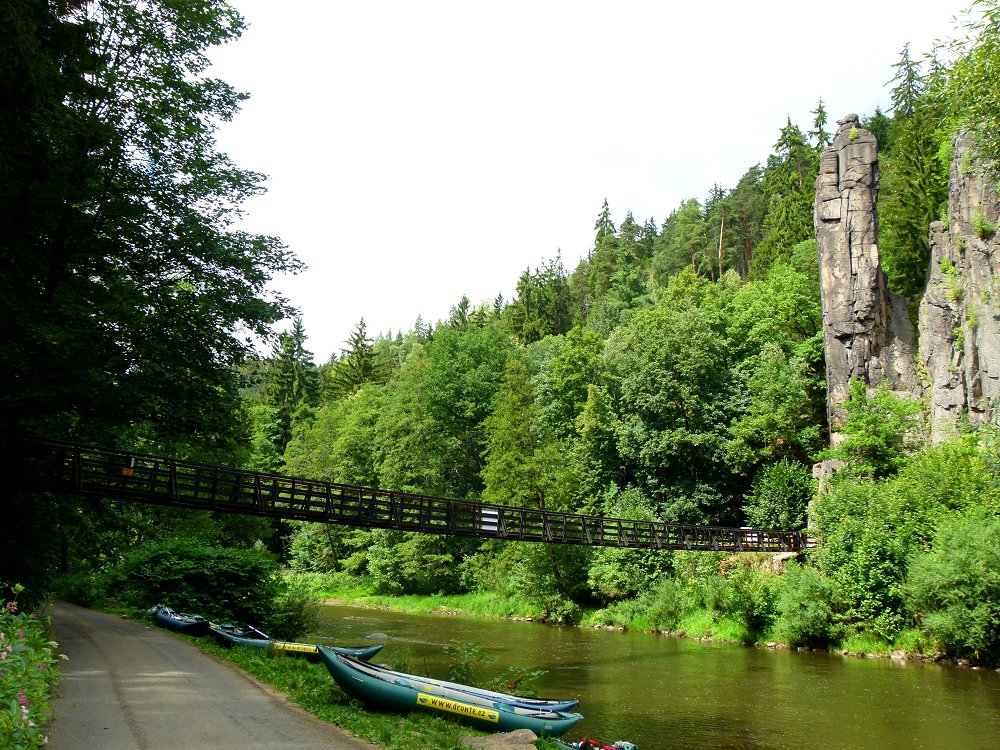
[128,686]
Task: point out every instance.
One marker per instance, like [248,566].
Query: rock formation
[866,328]
[866,331]
[959,322]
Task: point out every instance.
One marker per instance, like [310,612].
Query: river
[663,693]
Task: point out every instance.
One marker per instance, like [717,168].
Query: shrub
[981,225]
[875,433]
[616,573]
[27,674]
[864,527]
[805,608]
[750,598]
[217,582]
[295,613]
[955,588]
[779,496]
[86,588]
[667,604]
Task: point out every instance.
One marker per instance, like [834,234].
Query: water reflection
[664,693]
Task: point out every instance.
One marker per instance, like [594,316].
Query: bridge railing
[73,468]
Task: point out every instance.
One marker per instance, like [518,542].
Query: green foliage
[409,563]
[295,612]
[134,295]
[981,225]
[779,496]
[468,661]
[661,608]
[674,398]
[968,84]
[543,306]
[956,587]
[27,673]
[865,553]
[218,582]
[806,608]
[876,439]
[616,574]
[750,594]
[789,186]
[914,179]
[358,365]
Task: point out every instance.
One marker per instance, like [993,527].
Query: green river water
[663,693]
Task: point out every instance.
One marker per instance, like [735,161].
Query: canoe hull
[396,694]
[180,622]
[308,650]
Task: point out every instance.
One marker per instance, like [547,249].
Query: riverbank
[700,624]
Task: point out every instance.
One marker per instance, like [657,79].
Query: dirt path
[128,686]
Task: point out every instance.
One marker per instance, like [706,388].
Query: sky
[417,152]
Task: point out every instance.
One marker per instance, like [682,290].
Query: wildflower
[22,698]
[41,667]
[11,607]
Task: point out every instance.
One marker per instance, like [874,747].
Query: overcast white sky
[419,151]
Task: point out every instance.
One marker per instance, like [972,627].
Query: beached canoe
[308,650]
[382,688]
[180,622]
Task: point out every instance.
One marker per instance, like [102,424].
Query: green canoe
[382,688]
[308,650]
[180,622]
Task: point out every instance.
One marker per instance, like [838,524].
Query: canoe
[180,622]
[457,690]
[309,650]
[382,688]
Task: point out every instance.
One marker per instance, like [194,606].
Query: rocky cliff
[866,331]
[959,323]
[953,359]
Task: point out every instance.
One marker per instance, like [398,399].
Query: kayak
[585,744]
[309,650]
[385,689]
[180,622]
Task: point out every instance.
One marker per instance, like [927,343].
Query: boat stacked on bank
[381,688]
[253,638]
[180,622]
[231,635]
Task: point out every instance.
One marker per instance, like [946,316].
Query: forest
[676,373]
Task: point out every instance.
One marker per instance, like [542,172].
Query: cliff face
[953,359]
[959,328]
[866,332]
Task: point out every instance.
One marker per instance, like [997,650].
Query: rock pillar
[866,330]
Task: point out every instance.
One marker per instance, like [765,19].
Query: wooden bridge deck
[98,472]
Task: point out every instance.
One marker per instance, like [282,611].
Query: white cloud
[421,151]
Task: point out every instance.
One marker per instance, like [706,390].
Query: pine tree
[358,363]
[914,181]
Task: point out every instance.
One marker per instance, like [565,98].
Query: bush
[217,582]
[805,608]
[86,588]
[295,613]
[667,604]
[955,588]
[876,432]
[779,496]
[617,573]
[27,674]
[750,597]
